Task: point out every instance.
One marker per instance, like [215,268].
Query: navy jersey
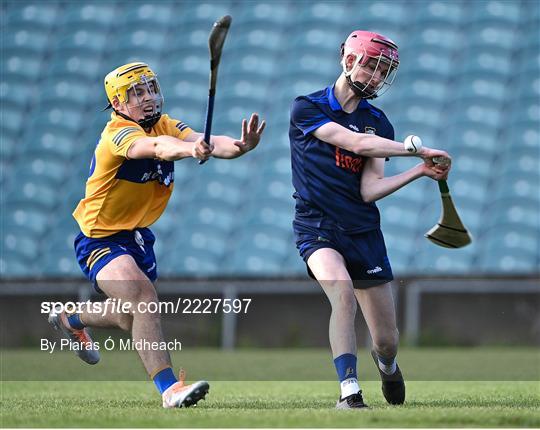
[327,178]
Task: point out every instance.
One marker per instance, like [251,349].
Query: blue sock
[388,361]
[164,379]
[75,322]
[345,366]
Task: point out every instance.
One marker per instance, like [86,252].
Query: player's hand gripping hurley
[215,45]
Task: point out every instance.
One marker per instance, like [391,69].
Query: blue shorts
[94,253]
[364,253]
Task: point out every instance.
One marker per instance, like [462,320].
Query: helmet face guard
[377,58]
[136,86]
[145,97]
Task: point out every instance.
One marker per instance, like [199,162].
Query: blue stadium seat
[264,36]
[493,33]
[36,16]
[13,266]
[250,60]
[438,11]
[92,42]
[392,13]
[89,16]
[73,63]
[240,88]
[275,13]
[15,92]
[21,243]
[415,83]
[438,35]
[49,139]
[476,110]
[34,194]
[13,121]
[250,261]
[20,217]
[401,210]
[26,40]
[157,15]
[21,64]
[436,260]
[514,211]
[316,39]
[271,212]
[425,58]
[182,260]
[480,86]
[488,60]
[507,13]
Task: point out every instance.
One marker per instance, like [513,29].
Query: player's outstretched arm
[229,147]
[374,186]
[369,145]
[168,148]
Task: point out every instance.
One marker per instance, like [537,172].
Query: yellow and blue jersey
[124,194]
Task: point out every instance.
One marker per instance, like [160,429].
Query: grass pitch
[261,403]
[269,404]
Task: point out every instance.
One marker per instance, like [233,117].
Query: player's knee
[144,296]
[344,301]
[125,321]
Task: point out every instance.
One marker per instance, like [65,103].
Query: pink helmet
[366,46]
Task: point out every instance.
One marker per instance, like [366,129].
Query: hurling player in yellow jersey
[131,180]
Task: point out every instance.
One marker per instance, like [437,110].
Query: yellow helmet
[120,80]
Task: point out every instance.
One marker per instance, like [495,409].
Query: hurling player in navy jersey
[339,143]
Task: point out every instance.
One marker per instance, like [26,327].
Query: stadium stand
[465,84]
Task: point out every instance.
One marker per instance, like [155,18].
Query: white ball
[412,143]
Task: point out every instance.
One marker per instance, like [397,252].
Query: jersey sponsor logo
[376,269]
[354,127]
[369,130]
[144,170]
[348,162]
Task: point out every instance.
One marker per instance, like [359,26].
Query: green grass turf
[269,404]
[419,364]
[447,387]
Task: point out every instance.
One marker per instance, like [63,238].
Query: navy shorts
[94,253]
[364,253]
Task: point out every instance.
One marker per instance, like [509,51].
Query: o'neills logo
[354,164]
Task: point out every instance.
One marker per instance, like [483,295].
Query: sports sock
[346,371]
[387,364]
[164,379]
[75,322]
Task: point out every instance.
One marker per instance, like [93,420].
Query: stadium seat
[278,14]
[73,63]
[439,11]
[186,261]
[156,15]
[426,59]
[89,15]
[271,212]
[21,243]
[507,13]
[36,16]
[250,261]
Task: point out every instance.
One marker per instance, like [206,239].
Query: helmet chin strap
[146,122]
[358,89]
